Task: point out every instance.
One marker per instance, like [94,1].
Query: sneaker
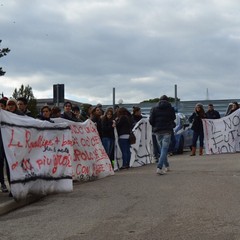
[167,169]
[4,188]
[160,171]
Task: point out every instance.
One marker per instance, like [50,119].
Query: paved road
[198,199]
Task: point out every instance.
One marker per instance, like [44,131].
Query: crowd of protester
[121,120]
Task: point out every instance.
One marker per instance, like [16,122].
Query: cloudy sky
[140,47]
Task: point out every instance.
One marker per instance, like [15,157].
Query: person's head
[137,111]
[109,113]
[210,107]
[76,109]
[122,111]
[3,103]
[235,106]
[55,112]
[97,112]
[46,111]
[11,105]
[164,98]
[199,109]
[67,107]
[22,104]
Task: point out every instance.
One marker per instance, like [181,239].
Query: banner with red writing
[39,154]
[90,160]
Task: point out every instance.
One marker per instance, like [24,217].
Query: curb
[11,205]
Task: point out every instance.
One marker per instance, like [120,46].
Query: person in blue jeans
[124,127]
[162,118]
[108,124]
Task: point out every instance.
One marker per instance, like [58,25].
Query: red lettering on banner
[60,160]
[40,142]
[82,169]
[14,165]
[66,142]
[43,162]
[85,142]
[98,168]
[95,140]
[76,129]
[26,165]
[12,143]
[80,155]
[91,129]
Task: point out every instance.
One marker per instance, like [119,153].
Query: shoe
[4,188]
[160,171]
[167,169]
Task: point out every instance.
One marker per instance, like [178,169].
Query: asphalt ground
[198,199]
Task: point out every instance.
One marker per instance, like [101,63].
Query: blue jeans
[108,145]
[124,145]
[197,135]
[163,141]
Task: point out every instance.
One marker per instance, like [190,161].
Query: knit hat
[12,100]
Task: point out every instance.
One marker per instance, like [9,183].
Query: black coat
[162,117]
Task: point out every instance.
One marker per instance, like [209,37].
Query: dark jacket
[196,121]
[213,114]
[123,125]
[162,117]
[107,128]
[70,116]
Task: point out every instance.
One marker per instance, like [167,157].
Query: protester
[197,127]
[67,112]
[234,107]
[3,103]
[124,126]
[136,115]
[96,115]
[212,113]
[77,112]
[13,108]
[55,112]
[162,118]
[46,114]
[108,124]
[22,106]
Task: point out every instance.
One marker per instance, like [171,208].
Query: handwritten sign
[222,135]
[90,160]
[45,157]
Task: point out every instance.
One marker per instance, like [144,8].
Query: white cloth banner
[90,160]
[39,155]
[142,150]
[45,157]
[222,135]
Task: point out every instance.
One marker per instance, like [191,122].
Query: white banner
[222,135]
[39,155]
[142,150]
[44,157]
[90,160]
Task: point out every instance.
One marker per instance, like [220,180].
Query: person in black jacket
[108,124]
[197,127]
[162,118]
[212,113]
[124,126]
